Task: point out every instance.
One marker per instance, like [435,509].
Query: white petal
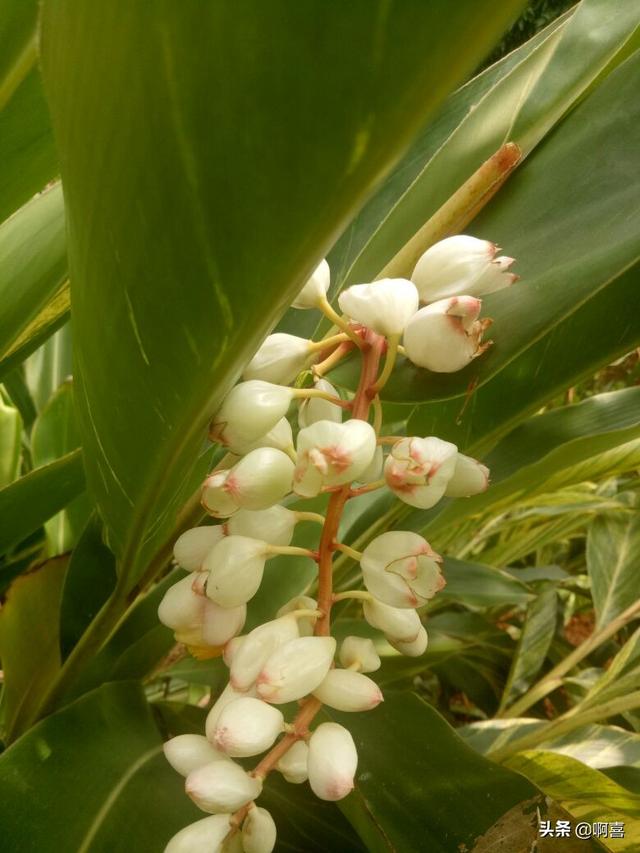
[331,454]
[216,498]
[315,289]
[293,764]
[402,624]
[469,478]
[193,546]
[249,411]
[203,835]
[257,647]
[295,669]
[333,760]
[221,624]
[280,358]
[360,651]
[452,266]
[247,727]
[306,624]
[229,694]
[258,831]
[261,479]
[235,567]
[222,786]
[274,525]
[181,608]
[385,306]
[188,752]
[346,690]
[413,648]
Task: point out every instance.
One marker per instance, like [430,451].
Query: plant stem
[330,361]
[310,516]
[306,393]
[370,487]
[553,678]
[291,550]
[457,211]
[390,360]
[340,322]
[352,594]
[346,549]
[340,338]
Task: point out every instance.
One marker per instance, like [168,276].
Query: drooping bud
[386,306]
[280,436]
[470,477]
[293,764]
[333,760]
[314,409]
[188,752]
[221,786]
[228,695]
[257,647]
[306,624]
[315,289]
[249,411]
[206,834]
[231,648]
[400,623]
[461,264]
[295,669]
[280,358]
[258,831]
[274,525]
[181,608]
[247,727]
[360,652]
[446,335]
[347,690]
[418,469]
[401,569]
[235,567]
[193,546]
[331,454]
[259,480]
[373,471]
[413,648]
[196,621]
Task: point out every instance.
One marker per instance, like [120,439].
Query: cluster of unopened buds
[291,659]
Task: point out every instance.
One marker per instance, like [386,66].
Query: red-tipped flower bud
[295,669]
[206,834]
[249,411]
[258,831]
[331,454]
[347,690]
[189,752]
[235,567]
[401,624]
[247,727]
[258,646]
[333,760]
[469,478]
[222,786]
[359,652]
[193,546]
[315,288]
[418,469]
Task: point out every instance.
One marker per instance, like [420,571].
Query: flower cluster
[293,657]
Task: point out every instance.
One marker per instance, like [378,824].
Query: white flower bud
[220,624]
[280,436]
[231,648]
[274,525]
[280,358]
[221,786]
[235,567]
[228,695]
[386,306]
[461,264]
[247,727]
[315,289]
[346,690]
[446,335]
[413,648]
[401,623]
[249,411]
[306,624]
[470,477]
[206,834]
[259,480]
[418,469]
[314,409]
[193,546]
[258,831]
[333,760]
[188,752]
[331,454]
[293,764]
[360,652]
[295,669]
[401,569]
[181,608]
[257,647]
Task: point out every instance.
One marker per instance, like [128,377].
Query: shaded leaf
[10,442]
[477,585]
[613,545]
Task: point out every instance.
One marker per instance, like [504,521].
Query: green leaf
[195,270]
[33,499]
[47,368]
[90,578]
[565,254]
[33,276]
[620,679]
[109,788]
[537,634]
[17,44]
[29,646]
[613,544]
[587,794]
[54,435]
[10,442]
[477,585]
[416,777]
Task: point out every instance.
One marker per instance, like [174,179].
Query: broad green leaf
[10,442]
[194,271]
[613,545]
[520,98]
[477,585]
[90,578]
[533,646]
[109,788]
[596,746]
[29,646]
[27,503]
[566,254]
[620,678]
[416,777]
[34,291]
[17,44]
[587,794]
[47,368]
[54,435]
[16,388]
